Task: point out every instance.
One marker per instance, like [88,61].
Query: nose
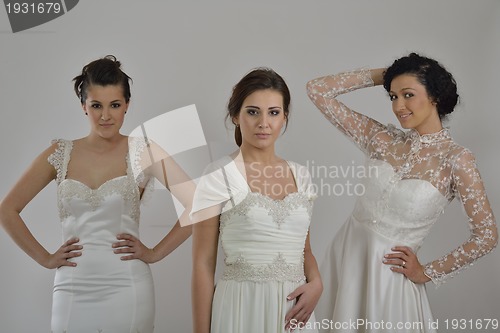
[105,115]
[398,104]
[263,121]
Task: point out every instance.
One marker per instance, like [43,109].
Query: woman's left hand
[134,247]
[307,296]
[405,262]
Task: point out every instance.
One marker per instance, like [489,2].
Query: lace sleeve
[324,91]
[59,158]
[139,159]
[469,188]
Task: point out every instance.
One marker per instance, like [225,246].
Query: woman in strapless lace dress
[103,282]
[373,277]
[259,206]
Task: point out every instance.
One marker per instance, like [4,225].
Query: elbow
[491,239]
[3,212]
[494,238]
[310,90]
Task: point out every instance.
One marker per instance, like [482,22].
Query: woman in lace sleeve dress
[103,282]
[259,206]
[375,277]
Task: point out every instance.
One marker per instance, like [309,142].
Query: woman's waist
[102,265]
[280,267]
[406,235]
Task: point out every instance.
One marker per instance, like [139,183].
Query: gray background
[189,52]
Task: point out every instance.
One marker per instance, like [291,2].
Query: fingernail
[386,256]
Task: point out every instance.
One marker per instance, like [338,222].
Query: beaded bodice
[417,176]
[262,238]
[107,210]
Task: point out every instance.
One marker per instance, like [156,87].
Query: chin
[405,126]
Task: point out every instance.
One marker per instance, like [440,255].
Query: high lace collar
[430,138]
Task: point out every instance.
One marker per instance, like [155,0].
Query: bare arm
[35,179]
[158,164]
[308,294]
[205,242]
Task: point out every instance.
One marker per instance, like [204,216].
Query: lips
[404,116]
[263,135]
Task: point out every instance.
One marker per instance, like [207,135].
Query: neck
[251,154]
[431,125]
[104,144]
[429,129]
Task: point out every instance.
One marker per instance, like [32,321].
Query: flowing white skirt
[361,294]
[253,307]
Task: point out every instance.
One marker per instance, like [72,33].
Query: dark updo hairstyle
[258,79]
[438,82]
[102,72]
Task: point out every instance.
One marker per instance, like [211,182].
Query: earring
[237,125]
[86,114]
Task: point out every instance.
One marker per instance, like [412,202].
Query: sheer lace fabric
[127,186]
[433,158]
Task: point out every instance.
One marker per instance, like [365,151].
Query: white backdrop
[189,52]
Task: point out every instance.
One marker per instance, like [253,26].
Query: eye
[115,105]
[252,112]
[274,112]
[95,106]
[408,95]
[392,97]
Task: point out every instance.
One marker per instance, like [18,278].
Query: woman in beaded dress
[375,274]
[259,206]
[103,282]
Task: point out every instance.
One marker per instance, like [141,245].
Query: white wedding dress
[263,242]
[102,294]
[411,178]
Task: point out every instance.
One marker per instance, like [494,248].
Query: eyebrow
[392,92]
[256,107]
[115,101]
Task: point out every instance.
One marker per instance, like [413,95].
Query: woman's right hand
[60,258]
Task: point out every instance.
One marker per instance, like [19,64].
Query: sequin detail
[60,157]
[434,158]
[278,270]
[279,210]
[125,186]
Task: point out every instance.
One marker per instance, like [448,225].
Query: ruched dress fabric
[410,179]
[263,242]
[102,294]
